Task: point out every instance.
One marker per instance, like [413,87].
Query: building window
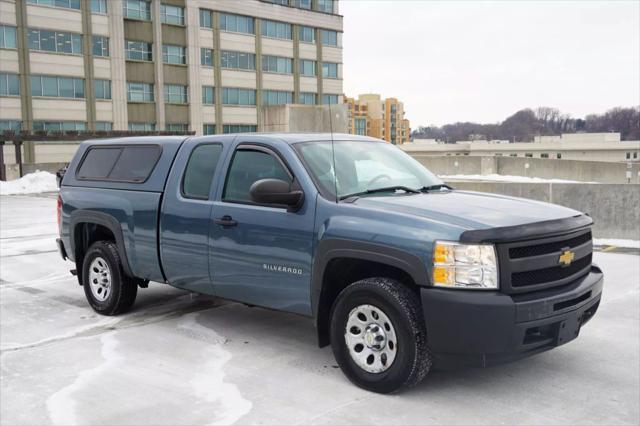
[9,84]
[239,128]
[208,95]
[302,4]
[55,41]
[138,50]
[175,94]
[104,126]
[57,87]
[236,23]
[307,98]
[237,60]
[277,64]
[139,92]
[235,96]
[142,127]
[68,4]
[307,34]
[329,99]
[172,54]
[276,29]
[99,6]
[7,37]
[176,127]
[329,38]
[103,89]
[282,2]
[137,9]
[206,18]
[100,46]
[276,97]
[325,6]
[628,156]
[307,67]
[513,155]
[544,155]
[559,156]
[635,155]
[173,15]
[58,126]
[528,155]
[206,57]
[208,129]
[360,126]
[329,70]
[10,125]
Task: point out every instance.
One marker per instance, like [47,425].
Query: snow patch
[209,384]
[31,183]
[507,178]
[61,405]
[616,242]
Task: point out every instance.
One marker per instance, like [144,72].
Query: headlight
[469,266]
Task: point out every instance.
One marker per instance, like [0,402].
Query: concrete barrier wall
[615,208]
[582,171]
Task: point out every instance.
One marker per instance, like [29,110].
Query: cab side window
[247,167]
[198,174]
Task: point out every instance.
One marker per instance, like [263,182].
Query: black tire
[402,307]
[123,289]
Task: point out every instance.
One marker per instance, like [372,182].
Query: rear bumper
[61,249]
[475,328]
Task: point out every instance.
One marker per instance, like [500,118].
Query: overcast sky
[473,61]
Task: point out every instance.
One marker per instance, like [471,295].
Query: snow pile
[507,178]
[616,242]
[31,183]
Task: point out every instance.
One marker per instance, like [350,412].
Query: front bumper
[476,328]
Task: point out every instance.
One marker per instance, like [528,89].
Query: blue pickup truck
[399,271]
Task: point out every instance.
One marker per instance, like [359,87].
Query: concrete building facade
[605,147]
[370,115]
[207,66]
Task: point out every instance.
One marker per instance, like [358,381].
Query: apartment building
[373,116]
[207,66]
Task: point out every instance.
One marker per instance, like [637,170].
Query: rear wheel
[378,335]
[108,289]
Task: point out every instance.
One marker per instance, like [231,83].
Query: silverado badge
[566,257]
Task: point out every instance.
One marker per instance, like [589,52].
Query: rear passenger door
[261,254]
[186,212]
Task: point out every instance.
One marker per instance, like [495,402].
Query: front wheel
[108,289]
[378,335]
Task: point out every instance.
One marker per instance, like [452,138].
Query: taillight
[59,212]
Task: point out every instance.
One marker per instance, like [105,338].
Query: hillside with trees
[543,121]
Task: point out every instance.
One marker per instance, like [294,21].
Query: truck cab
[399,271]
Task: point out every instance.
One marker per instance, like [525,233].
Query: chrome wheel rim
[371,339]
[100,279]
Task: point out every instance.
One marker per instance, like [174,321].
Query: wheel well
[84,235]
[341,272]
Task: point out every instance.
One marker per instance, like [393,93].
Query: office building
[207,66]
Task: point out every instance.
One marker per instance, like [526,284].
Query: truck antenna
[333,152]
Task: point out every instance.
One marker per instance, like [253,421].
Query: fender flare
[103,219]
[334,248]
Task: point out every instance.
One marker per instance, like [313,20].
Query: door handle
[225,221]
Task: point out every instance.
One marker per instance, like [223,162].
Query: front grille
[545,275]
[537,250]
[533,265]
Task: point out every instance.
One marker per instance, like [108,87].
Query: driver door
[260,254]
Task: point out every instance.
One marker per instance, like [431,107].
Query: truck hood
[469,210]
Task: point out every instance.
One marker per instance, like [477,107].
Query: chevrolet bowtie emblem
[566,258]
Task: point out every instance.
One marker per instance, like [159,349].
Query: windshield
[362,167]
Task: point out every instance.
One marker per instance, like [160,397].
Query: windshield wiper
[435,187]
[385,189]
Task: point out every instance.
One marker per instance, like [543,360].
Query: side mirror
[276,191]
